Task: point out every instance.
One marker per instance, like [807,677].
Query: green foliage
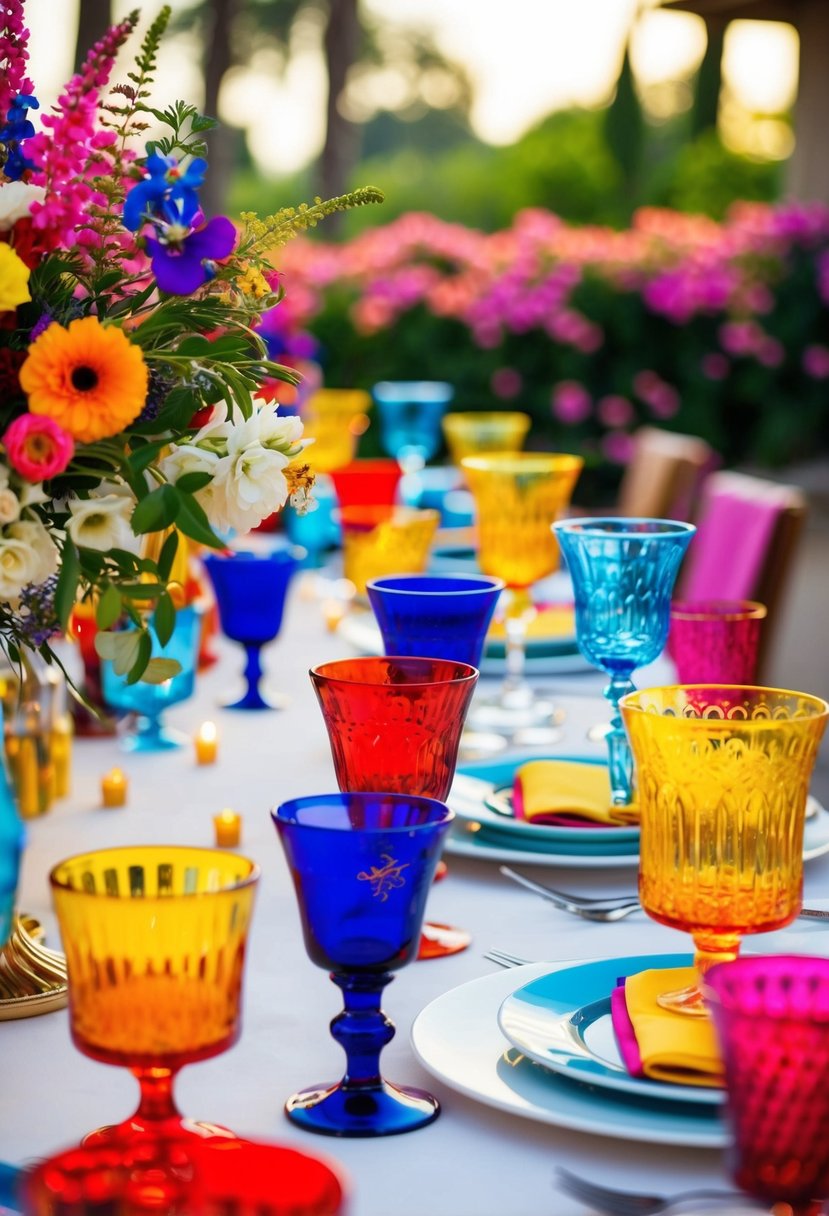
[706,178]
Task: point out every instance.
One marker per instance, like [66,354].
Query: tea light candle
[114,788]
[228,825]
[207,743]
[62,754]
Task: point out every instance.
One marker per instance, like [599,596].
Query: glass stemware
[722,775]
[149,701]
[155,945]
[771,1016]
[518,495]
[410,414]
[362,865]
[250,591]
[367,482]
[385,540]
[334,418]
[623,571]
[395,724]
[715,641]
[435,616]
[90,715]
[476,431]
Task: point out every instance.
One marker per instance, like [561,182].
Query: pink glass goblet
[715,641]
[771,1015]
[395,725]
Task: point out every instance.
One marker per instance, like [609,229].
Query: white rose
[9,506]
[187,458]
[35,536]
[102,523]
[247,487]
[270,430]
[16,199]
[18,567]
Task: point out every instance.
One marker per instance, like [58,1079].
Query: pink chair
[748,530]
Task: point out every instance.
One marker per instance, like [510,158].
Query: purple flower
[182,263]
[167,192]
[816,362]
[571,402]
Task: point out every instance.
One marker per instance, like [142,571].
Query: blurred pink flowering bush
[720,329]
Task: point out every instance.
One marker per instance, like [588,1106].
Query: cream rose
[102,523]
[34,535]
[16,199]
[18,566]
[247,487]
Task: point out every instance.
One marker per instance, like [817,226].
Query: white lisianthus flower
[247,487]
[32,533]
[102,523]
[16,199]
[19,565]
[272,430]
[9,506]
[188,458]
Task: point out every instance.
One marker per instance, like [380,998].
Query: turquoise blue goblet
[11,846]
[410,413]
[250,592]
[623,572]
[149,701]
[362,865]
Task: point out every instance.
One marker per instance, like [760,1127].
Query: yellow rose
[14,279]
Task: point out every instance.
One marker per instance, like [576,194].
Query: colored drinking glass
[771,1016]
[436,616]
[250,590]
[90,714]
[334,418]
[722,775]
[518,495]
[155,946]
[149,701]
[314,531]
[11,846]
[367,482]
[410,414]
[715,641]
[476,431]
[381,540]
[623,572]
[362,865]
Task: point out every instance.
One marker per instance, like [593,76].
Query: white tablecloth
[473,1161]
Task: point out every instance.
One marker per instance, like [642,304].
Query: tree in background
[94,20]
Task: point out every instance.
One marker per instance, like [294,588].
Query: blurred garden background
[607,214]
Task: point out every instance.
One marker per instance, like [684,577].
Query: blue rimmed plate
[562,1021]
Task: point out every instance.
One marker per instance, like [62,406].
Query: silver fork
[611,1202]
[504,959]
[612,908]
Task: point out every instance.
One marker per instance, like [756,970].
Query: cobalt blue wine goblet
[250,592]
[362,865]
[410,413]
[623,572]
[149,701]
[435,616]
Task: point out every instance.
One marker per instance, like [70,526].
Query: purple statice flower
[43,322]
[182,261]
[157,393]
[37,617]
[167,192]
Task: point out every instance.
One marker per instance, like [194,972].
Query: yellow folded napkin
[562,791]
[672,1046]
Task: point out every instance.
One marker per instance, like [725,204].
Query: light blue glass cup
[11,846]
[410,413]
[149,701]
[623,572]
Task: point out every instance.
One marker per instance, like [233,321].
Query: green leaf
[164,618]
[159,670]
[143,653]
[121,649]
[194,345]
[192,521]
[144,456]
[67,588]
[167,557]
[109,608]
[156,511]
[190,482]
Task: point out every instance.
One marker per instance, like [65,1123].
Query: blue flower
[16,128]
[167,193]
[183,261]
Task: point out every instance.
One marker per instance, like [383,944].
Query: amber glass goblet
[155,947]
[721,774]
[472,432]
[334,418]
[518,496]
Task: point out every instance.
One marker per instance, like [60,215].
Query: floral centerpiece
[137,396]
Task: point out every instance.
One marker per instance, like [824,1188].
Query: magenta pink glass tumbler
[771,1015]
[715,641]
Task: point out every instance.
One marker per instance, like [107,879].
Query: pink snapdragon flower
[14,54]
[37,447]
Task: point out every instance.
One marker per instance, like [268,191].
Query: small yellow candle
[228,825]
[114,788]
[207,743]
[62,755]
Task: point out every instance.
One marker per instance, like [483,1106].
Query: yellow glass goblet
[155,947]
[334,418]
[722,773]
[470,433]
[380,540]
[518,496]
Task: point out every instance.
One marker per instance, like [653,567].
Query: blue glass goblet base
[150,735]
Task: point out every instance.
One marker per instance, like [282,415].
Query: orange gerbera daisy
[88,377]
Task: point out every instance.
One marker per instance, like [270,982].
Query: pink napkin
[734,533]
[623,1029]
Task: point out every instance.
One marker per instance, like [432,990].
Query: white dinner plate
[457,1039]
[563,1022]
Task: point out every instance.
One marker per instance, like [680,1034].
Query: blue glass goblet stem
[250,591]
[623,572]
[362,864]
[410,415]
[435,616]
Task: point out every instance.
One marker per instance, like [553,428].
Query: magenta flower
[571,402]
[181,264]
[37,447]
[816,362]
[506,383]
[615,410]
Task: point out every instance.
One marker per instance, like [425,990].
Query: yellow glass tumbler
[518,496]
[155,946]
[380,540]
[472,432]
[334,418]
[721,773]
